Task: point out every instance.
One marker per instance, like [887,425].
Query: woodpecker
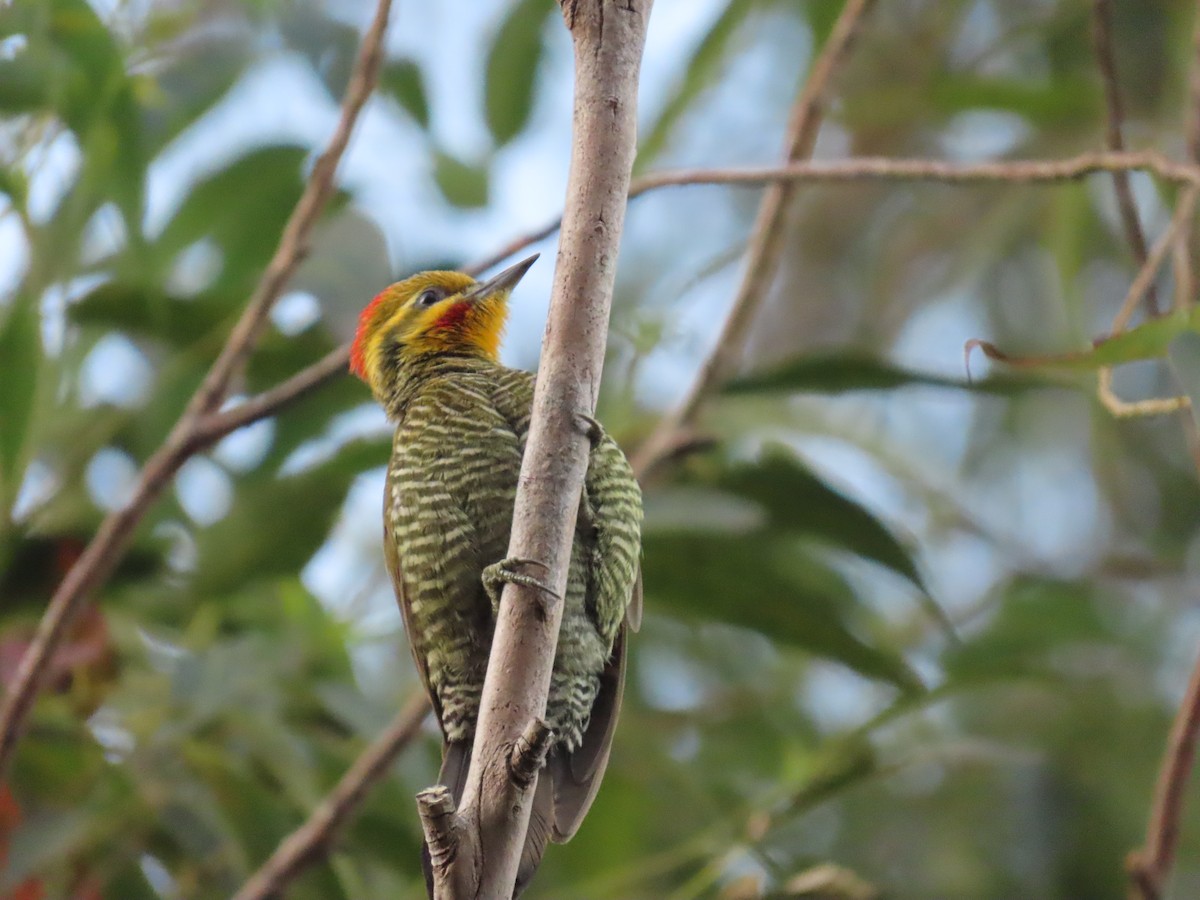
[428,347]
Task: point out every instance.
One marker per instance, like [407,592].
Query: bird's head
[432,313]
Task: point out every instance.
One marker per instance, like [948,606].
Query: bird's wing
[392,557]
[615,503]
[577,776]
[633,612]
[614,603]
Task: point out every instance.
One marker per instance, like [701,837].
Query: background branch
[1150,866]
[305,845]
[766,239]
[608,37]
[113,537]
[1102,43]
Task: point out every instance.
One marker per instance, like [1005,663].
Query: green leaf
[402,80]
[21,350]
[242,208]
[782,591]
[821,15]
[328,45]
[800,502]
[44,841]
[278,523]
[842,372]
[1149,340]
[189,81]
[842,765]
[461,184]
[1040,624]
[23,84]
[1055,103]
[73,67]
[144,312]
[702,70]
[512,68]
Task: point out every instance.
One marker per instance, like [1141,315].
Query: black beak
[500,284]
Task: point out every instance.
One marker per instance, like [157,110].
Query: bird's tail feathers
[541,821]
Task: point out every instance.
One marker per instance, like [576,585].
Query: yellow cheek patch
[460,324]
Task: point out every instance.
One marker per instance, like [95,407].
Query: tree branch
[216,425]
[766,240]
[1150,866]
[869,168]
[608,36]
[1102,43]
[116,531]
[304,845]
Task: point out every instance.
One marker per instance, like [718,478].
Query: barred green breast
[462,423]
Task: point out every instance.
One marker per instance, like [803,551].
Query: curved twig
[1102,42]
[766,240]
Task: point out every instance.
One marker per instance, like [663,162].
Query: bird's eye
[428,298]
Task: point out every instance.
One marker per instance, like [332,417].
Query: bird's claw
[504,572]
[591,428]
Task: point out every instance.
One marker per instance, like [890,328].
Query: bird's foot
[504,572]
[593,430]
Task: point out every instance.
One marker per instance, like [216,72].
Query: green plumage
[462,423]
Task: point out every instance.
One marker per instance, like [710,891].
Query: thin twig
[1149,867]
[867,168]
[1142,282]
[1185,209]
[113,537]
[1181,264]
[1102,41]
[766,240]
[214,426]
[304,845]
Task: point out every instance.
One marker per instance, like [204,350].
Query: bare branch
[1102,41]
[304,845]
[116,531]
[1150,866]
[766,240]
[214,426]
[869,168]
[494,812]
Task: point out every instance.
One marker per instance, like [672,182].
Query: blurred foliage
[909,633]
